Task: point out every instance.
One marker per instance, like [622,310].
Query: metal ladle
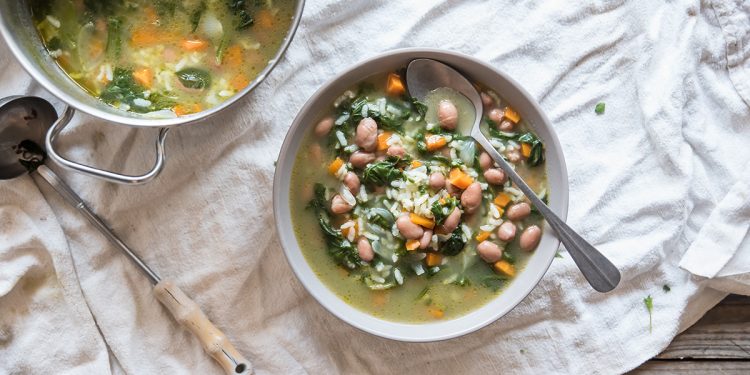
[425,75]
[24,121]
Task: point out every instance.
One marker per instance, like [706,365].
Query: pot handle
[64,120]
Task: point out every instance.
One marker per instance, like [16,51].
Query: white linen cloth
[659,183]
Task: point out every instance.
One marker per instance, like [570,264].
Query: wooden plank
[693,367]
[723,333]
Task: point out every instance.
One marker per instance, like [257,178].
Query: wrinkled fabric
[658,183]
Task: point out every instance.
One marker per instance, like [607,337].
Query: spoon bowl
[425,75]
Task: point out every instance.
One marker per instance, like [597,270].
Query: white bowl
[524,282]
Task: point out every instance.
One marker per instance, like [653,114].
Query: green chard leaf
[494,282]
[383,172]
[454,245]
[390,113]
[123,89]
[243,18]
[114,37]
[439,213]
[537,148]
[318,203]
[342,251]
[194,78]
[599,109]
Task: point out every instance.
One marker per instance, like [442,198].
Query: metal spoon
[426,75]
[24,121]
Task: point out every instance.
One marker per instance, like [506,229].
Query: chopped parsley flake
[649,302]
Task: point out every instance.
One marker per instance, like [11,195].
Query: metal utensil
[426,75]
[23,124]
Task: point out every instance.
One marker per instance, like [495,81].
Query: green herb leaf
[114,37]
[221,48]
[537,148]
[318,203]
[419,107]
[558,254]
[194,78]
[649,302]
[123,89]
[390,113]
[454,245]
[342,251]
[438,212]
[242,14]
[195,16]
[494,282]
[383,172]
[509,257]
[599,109]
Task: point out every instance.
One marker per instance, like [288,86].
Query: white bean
[496,115]
[485,161]
[507,231]
[425,240]
[324,127]
[352,182]
[506,126]
[451,222]
[495,176]
[365,249]
[366,136]
[408,229]
[519,211]
[360,159]
[490,252]
[530,238]
[471,198]
[396,151]
[437,180]
[339,205]
[487,100]
[447,115]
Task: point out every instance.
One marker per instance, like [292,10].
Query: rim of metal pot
[30,68]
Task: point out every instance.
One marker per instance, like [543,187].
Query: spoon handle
[184,310]
[75,201]
[597,269]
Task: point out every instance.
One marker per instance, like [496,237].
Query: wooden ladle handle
[190,316]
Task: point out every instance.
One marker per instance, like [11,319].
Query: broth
[461,280]
[164,58]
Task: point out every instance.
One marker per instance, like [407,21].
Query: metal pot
[19,32]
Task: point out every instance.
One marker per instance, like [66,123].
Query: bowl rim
[336,305]
[140,121]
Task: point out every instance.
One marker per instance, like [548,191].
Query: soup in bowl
[403,227]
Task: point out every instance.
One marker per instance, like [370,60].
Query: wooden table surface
[718,343]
